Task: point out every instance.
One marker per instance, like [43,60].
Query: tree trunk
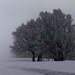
[33,57]
[39,57]
[59,58]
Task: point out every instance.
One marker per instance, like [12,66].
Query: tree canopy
[51,34]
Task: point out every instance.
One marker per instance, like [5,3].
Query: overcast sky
[15,12]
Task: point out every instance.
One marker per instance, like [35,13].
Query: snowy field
[26,67]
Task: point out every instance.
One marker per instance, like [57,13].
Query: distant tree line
[51,35]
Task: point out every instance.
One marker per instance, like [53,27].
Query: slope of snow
[61,66]
[20,67]
[7,69]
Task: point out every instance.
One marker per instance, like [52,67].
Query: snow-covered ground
[21,67]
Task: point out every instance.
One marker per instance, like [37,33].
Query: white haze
[15,12]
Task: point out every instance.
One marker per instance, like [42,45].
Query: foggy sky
[15,12]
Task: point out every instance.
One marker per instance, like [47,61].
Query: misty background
[15,12]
